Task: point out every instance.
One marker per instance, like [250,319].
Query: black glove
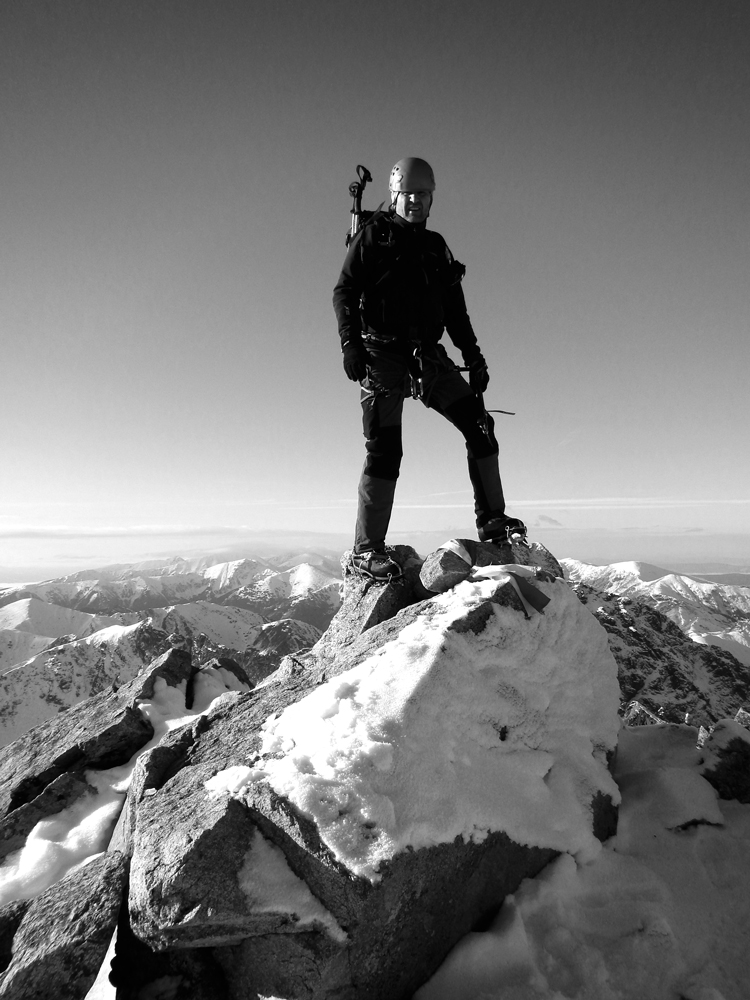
[355,362]
[479,376]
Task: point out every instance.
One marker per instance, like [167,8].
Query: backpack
[453,272]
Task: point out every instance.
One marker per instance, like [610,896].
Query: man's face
[413,206]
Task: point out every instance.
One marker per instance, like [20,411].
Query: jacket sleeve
[457,322]
[348,292]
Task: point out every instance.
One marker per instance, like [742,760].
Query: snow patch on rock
[661,912]
[445,733]
[272,887]
[74,836]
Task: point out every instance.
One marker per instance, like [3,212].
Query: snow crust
[444,734]
[272,887]
[60,843]
[662,912]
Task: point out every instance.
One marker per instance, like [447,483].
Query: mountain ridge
[708,613]
[238,608]
[307,587]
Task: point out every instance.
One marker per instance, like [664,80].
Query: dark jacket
[400,283]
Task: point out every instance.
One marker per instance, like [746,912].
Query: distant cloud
[624,503]
[62,531]
[127,531]
[543,519]
[572,503]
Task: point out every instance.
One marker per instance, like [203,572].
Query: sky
[175,181]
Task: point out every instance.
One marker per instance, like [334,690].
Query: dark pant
[443,389]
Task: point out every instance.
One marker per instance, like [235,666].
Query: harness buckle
[416,372]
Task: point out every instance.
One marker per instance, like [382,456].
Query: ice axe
[355,190]
[480,396]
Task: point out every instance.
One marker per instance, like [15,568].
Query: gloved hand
[479,376]
[355,362]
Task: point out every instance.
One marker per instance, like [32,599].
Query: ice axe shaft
[355,190]
[480,397]
[484,422]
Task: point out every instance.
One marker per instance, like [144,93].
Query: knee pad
[468,416]
[384,453]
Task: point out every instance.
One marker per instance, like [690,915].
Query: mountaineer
[399,289]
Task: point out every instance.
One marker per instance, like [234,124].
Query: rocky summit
[334,830]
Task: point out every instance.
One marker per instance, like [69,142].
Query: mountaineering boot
[374,506]
[502,529]
[375,565]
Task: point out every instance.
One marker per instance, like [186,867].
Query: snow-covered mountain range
[527,703]
[709,612]
[503,679]
[304,586]
[64,640]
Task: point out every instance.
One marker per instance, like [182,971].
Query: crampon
[503,529]
[374,565]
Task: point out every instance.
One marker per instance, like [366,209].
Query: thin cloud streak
[147,530]
[585,503]
[30,505]
[130,531]
[625,503]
